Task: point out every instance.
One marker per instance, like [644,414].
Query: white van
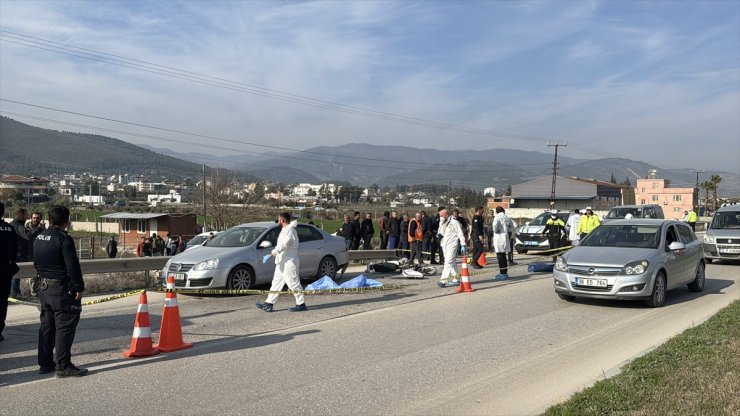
[722,240]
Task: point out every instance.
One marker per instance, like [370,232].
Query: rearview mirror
[676,245]
[265,244]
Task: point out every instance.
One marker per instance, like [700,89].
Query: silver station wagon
[632,259]
[233,258]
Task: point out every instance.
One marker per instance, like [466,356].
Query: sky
[655,81]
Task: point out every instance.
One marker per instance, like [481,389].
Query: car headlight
[708,239]
[636,267]
[561,265]
[206,265]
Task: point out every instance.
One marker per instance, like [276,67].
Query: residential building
[654,190]
[171,198]
[33,189]
[133,226]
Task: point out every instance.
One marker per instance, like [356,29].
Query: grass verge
[694,373]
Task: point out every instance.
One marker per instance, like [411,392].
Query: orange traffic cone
[170,335]
[482,259]
[141,342]
[465,278]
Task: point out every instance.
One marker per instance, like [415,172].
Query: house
[654,190]
[570,193]
[171,198]
[33,189]
[133,226]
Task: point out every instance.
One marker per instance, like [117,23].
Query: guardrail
[139,264]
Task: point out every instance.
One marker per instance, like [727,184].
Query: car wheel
[657,298]
[240,278]
[569,298]
[709,261]
[698,284]
[327,267]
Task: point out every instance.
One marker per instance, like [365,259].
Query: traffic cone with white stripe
[465,278]
[170,335]
[141,342]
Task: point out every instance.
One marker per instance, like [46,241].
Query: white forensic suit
[287,264]
[502,226]
[452,233]
[572,226]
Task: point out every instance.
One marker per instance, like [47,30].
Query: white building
[489,191]
[171,198]
[96,200]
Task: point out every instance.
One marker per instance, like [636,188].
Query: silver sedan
[233,258]
[632,259]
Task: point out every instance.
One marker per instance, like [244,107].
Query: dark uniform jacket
[8,250]
[477,229]
[25,235]
[367,229]
[55,257]
[355,230]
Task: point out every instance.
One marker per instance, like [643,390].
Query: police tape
[87,302]
[353,290]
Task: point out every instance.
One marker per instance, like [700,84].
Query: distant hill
[29,150]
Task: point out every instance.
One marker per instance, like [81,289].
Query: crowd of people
[156,246]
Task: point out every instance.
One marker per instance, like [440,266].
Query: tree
[627,181]
[508,190]
[219,193]
[715,180]
[613,179]
[706,186]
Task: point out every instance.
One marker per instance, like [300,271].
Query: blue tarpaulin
[540,267]
[325,282]
[360,281]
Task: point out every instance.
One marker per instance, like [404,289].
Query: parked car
[632,259]
[637,211]
[722,240]
[233,258]
[199,239]
[530,237]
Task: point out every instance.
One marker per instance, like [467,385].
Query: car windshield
[726,220]
[236,237]
[640,236]
[622,212]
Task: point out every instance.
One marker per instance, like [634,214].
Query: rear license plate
[180,276]
[730,250]
[580,281]
[530,243]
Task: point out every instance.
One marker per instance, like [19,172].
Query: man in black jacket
[356,234]
[394,225]
[367,230]
[112,248]
[60,293]
[477,236]
[346,231]
[8,253]
[25,236]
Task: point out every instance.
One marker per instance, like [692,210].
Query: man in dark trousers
[477,236]
[8,252]
[356,234]
[426,242]
[367,231]
[24,237]
[385,229]
[112,248]
[60,294]
[435,246]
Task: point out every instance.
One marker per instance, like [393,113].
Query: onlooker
[435,245]
[140,247]
[171,246]
[287,265]
[356,231]
[157,249]
[60,293]
[415,236]
[403,234]
[367,230]
[346,231]
[477,237]
[146,247]
[35,226]
[385,230]
[426,229]
[112,248]
[8,253]
[394,227]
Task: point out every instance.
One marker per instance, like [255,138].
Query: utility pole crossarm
[554,170]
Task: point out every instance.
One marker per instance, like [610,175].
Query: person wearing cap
[572,227]
[554,229]
[691,218]
[588,223]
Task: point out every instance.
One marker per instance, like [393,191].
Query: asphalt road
[508,348]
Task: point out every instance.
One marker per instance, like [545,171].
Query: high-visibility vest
[588,223]
[418,232]
[692,216]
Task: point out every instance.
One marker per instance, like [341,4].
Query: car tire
[657,297]
[569,298]
[240,278]
[698,284]
[327,267]
[709,261]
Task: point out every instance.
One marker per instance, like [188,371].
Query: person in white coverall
[572,227]
[502,225]
[449,234]
[287,265]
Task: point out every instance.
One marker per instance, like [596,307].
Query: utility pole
[697,175]
[554,170]
[205,213]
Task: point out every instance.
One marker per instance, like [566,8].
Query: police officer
[477,236]
[554,230]
[8,252]
[60,292]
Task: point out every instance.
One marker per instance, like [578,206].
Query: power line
[91,54]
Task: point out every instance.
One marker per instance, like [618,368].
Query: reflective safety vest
[588,223]
[692,216]
[418,232]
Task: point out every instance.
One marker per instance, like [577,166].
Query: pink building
[673,200]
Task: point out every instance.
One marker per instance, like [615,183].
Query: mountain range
[29,150]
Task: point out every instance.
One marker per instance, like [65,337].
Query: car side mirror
[676,245]
[265,244]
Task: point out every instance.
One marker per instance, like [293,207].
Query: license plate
[580,281]
[730,250]
[180,276]
[530,243]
